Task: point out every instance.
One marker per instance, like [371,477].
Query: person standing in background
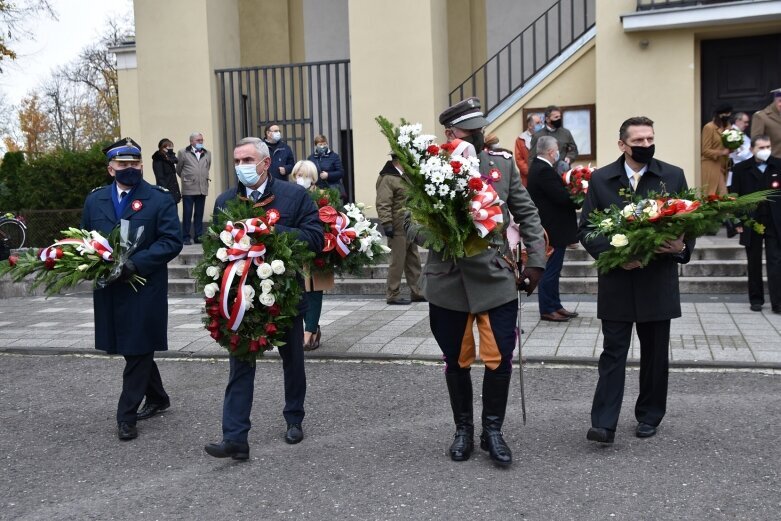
[713,154]
[193,164]
[767,122]
[282,156]
[329,166]
[164,166]
[568,150]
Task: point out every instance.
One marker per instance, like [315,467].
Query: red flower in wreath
[58,253]
[216,334]
[49,263]
[323,201]
[254,346]
[271,328]
[263,341]
[495,175]
[274,310]
[136,205]
[447,147]
[433,150]
[12,260]
[272,216]
[329,241]
[456,166]
[319,262]
[328,214]
[475,184]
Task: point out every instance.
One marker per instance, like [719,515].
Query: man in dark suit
[762,172]
[134,322]
[647,296]
[557,213]
[299,216]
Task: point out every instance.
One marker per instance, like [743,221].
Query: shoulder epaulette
[500,152]
[161,188]
[98,188]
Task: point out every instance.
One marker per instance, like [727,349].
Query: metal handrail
[542,41]
[648,5]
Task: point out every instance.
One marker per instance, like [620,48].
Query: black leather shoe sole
[600,435]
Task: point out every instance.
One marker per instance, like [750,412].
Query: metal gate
[304,99]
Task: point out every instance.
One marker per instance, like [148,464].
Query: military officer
[134,322]
[481,289]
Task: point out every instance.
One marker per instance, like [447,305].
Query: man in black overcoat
[134,322]
[557,213]
[762,172]
[646,296]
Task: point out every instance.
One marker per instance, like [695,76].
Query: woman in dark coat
[164,166]
[329,166]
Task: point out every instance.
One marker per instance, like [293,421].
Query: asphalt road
[376,436]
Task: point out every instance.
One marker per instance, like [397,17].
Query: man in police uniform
[134,322]
[481,289]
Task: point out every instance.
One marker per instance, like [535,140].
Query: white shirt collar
[261,188]
[630,173]
[120,190]
[543,159]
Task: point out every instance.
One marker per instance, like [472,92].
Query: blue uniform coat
[126,322]
[281,156]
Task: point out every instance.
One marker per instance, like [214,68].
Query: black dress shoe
[777,310]
[600,435]
[398,302]
[228,449]
[151,409]
[127,431]
[294,433]
[463,445]
[494,443]
[418,298]
[187,242]
[756,307]
[645,430]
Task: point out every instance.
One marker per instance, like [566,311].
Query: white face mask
[276,136]
[304,181]
[763,154]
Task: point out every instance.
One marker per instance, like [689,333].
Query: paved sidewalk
[708,333]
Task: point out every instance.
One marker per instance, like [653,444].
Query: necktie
[255,195]
[635,179]
[122,195]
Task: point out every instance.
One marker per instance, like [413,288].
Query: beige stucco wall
[271,32]
[177,90]
[573,83]
[467,39]
[129,107]
[419,92]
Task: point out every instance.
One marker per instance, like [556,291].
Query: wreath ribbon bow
[486,210]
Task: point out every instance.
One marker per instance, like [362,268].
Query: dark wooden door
[741,72]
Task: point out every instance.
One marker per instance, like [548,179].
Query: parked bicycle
[13,231]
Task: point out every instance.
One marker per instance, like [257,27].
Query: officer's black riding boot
[496,386]
[459,386]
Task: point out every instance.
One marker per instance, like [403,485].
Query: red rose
[263,341]
[323,201]
[714,197]
[213,310]
[475,184]
[216,334]
[213,325]
[274,310]
[58,253]
[329,242]
[271,328]
[433,150]
[254,346]
[211,300]
[328,214]
[235,339]
[456,166]
[319,262]
[49,264]
[12,260]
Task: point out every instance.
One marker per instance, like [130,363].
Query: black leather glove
[534,275]
[388,229]
[128,270]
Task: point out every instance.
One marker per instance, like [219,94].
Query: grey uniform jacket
[485,281]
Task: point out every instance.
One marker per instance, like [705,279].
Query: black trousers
[453,332]
[140,379]
[654,363]
[756,288]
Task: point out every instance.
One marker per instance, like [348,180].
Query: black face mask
[643,155]
[477,139]
[128,176]
[556,123]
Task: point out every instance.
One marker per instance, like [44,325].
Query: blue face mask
[538,127]
[247,174]
[199,146]
[128,176]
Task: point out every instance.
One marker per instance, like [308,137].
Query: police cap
[123,150]
[465,114]
[776,92]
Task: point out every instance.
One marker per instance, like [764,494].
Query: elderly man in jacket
[193,164]
[767,122]
[646,297]
[298,216]
[134,322]
[481,289]
[392,188]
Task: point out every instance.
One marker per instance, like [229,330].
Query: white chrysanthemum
[211,289]
[226,238]
[444,190]
[438,205]
[278,267]
[267,299]
[403,140]
[431,189]
[213,272]
[265,271]
[438,178]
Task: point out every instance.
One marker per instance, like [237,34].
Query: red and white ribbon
[486,210]
[343,234]
[100,245]
[240,256]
